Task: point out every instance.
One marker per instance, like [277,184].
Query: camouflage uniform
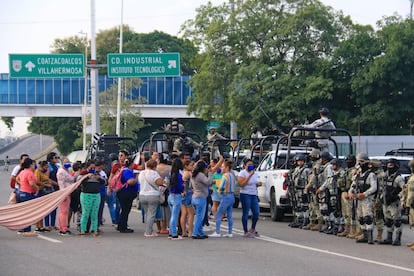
[409,196]
[327,195]
[300,179]
[391,194]
[376,167]
[364,188]
[346,203]
[313,184]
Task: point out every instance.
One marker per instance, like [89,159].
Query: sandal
[151,236]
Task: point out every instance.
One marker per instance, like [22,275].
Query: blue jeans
[249,202]
[199,204]
[23,196]
[110,200]
[50,219]
[174,201]
[226,206]
[117,209]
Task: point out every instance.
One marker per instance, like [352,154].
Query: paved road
[32,144]
[279,251]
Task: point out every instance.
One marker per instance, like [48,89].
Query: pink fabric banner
[21,215]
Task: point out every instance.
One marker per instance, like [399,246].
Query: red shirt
[25,177]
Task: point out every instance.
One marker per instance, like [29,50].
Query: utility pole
[411,9]
[119,98]
[95,124]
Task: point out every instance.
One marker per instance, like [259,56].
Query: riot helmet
[394,167]
[300,157]
[350,161]
[254,129]
[336,162]
[326,156]
[314,154]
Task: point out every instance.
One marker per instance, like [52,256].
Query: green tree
[64,130]
[384,87]
[262,54]
[8,121]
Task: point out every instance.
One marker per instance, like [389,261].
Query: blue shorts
[215,196]
[186,201]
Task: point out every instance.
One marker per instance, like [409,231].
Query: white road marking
[49,239]
[277,241]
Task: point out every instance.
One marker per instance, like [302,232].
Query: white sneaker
[228,235]
[215,235]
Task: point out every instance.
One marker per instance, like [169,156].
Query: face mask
[206,166]
[218,170]
[250,168]
[44,170]
[92,171]
[67,165]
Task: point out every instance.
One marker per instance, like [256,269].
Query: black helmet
[324,111]
[395,162]
[336,162]
[254,129]
[350,160]
[326,156]
[183,134]
[300,156]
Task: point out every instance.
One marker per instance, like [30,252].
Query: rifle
[274,125]
[291,191]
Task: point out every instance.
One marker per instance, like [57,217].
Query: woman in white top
[149,195]
[249,181]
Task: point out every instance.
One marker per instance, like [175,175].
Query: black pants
[125,199]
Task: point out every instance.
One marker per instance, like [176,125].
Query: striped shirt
[227,183]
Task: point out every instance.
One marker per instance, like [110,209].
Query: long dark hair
[200,166]
[176,166]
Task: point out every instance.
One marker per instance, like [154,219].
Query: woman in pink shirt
[64,180]
[28,188]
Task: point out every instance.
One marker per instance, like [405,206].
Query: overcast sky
[30,26]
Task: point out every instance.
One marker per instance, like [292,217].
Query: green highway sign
[143,65]
[47,65]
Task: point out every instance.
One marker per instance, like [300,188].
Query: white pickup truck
[273,193]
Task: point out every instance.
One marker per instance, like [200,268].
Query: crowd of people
[186,184]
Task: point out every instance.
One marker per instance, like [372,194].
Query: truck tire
[276,213]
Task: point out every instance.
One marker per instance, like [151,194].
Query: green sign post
[143,65]
[47,65]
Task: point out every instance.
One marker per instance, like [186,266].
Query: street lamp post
[85,96]
[118,105]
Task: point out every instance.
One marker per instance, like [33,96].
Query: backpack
[116,181]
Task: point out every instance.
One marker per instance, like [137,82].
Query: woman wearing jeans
[149,196]
[28,188]
[248,182]
[174,198]
[200,180]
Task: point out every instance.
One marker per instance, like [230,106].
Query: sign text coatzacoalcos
[143,65]
[47,65]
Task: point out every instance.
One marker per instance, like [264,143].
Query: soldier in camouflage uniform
[339,181]
[409,196]
[300,179]
[364,188]
[376,167]
[326,191]
[391,195]
[346,203]
[313,183]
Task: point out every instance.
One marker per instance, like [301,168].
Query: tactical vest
[391,191]
[299,181]
[361,180]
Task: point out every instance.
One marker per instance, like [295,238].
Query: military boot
[397,241]
[352,232]
[318,226]
[379,235]
[324,227]
[345,232]
[369,237]
[360,236]
[364,237]
[309,226]
[388,240]
[331,229]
